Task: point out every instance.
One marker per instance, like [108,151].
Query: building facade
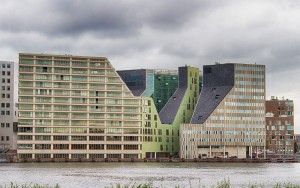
[157,84]
[229,119]
[297,138]
[161,128]
[76,107]
[177,110]
[8,109]
[280,126]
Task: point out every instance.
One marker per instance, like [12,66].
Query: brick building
[280,126]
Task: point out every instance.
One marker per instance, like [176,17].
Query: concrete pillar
[210,151]
[224,152]
[154,155]
[237,152]
[264,152]
[256,152]
[250,152]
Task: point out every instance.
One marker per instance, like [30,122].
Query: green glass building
[157,84]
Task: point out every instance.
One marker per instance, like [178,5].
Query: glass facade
[236,127]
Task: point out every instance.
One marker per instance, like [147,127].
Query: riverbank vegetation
[30,185]
[222,184]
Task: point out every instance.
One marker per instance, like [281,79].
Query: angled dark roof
[169,111]
[218,80]
[135,80]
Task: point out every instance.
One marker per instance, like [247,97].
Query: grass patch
[221,184]
[30,185]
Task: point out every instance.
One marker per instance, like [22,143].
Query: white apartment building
[8,109]
[75,107]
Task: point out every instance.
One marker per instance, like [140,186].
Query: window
[3,80]
[131,147]
[8,73]
[3,105]
[3,88]
[114,138]
[78,146]
[25,137]
[8,80]
[45,69]
[8,65]
[7,125]
[96,146]
[113,155]
[42,155]
[78,138]
[8,96]
[7,138]
[42,137]
[60,146]
[2,124]
[3,65]
[61,156]
[7,112]
[60,137]
[3,96]
[2,112]
[8,88]
[78,156]
[3,73]
[93,156]
[7,105]
[131,138]
[113,147]
[42,146]
[96,138]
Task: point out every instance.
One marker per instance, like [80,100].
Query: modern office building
[8,109]
[157,84]
[161,130]
[78,107]
[280,126]
[229,119]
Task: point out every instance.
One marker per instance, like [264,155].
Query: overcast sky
[163,34]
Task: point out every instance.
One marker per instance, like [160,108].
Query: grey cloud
[70,18]
[104,18]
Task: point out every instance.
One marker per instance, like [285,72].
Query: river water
[79,175]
